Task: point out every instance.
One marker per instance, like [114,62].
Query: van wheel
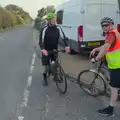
[72,51]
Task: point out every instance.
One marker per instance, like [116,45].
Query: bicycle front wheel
[60,79]
[92,82]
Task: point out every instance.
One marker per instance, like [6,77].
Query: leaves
[44,11]
[13,15]
[41,12]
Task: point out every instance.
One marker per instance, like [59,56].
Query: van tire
[72,51]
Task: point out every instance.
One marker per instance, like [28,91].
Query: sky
[31,6]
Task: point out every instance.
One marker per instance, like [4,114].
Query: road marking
[25,98]
[31,69]
[20,118]
[29,81]
[47,105]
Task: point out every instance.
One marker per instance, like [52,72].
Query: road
[22,96]
[16,50]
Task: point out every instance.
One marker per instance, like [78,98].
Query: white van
[80,20]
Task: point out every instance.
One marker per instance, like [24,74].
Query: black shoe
[108,111]
[45,82]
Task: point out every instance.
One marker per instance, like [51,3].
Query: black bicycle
[56,70]
[92,81]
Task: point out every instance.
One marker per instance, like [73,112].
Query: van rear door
[110,8]
[91,21]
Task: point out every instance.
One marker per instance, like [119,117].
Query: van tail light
[80,34]
[118,27]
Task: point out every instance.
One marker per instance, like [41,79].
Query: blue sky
[31,6]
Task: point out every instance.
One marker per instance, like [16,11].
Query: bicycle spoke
[91,84]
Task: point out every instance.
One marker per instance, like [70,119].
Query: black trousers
[115,78]
[46,59]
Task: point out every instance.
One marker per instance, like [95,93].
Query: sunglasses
[105,25]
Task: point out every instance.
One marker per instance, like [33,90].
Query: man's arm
[62,35]
[42,32]
[108,43]
[40,39]
[103,51]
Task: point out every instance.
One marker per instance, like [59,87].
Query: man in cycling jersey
[49,39]
[111,50]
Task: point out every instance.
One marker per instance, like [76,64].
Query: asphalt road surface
[16,50]
[22,96]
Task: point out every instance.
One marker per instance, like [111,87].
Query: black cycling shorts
[46,59]
[115,78]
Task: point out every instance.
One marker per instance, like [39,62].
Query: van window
[59,17]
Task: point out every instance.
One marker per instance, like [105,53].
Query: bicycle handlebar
[56,51]
[95,55]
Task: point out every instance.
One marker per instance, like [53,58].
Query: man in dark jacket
[49,40]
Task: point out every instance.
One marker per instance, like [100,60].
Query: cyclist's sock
[111,105]
[114,96]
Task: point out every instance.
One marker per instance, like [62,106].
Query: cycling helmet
[50,16]
[107,19]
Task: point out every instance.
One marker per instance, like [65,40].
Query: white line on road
[47,105]
[26,93]
[20,118]
[29,81]
[31,69]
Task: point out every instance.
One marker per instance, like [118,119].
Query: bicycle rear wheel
[60,79]
[92,82]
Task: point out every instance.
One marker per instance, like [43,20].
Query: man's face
[107,27]
[52,21]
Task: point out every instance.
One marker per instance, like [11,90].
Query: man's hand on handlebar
[93,55]
[67,49]
[44,52]
[93,60]
[94,52]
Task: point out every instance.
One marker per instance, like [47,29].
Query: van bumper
[90,45]
[84,46]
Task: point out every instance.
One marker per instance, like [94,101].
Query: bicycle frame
[100,66]
[100,70]
[55,52]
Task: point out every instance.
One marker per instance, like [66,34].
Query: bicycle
[56,70]
[89,86]
[97,73]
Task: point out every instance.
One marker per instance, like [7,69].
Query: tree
[44,11]
[50,8]
[41,12]
[11,7]
[12,15]
[20,12]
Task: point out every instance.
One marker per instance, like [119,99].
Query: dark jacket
[49,37]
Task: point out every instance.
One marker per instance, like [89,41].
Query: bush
[10,17]
[37,23]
